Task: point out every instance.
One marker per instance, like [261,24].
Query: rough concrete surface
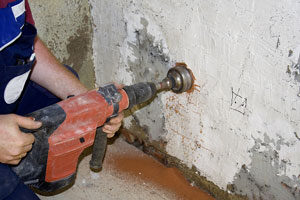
[245,58]
[66,28]
[115,182]
[240,127]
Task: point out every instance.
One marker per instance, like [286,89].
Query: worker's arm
[51,74]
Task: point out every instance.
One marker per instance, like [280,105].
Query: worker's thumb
[118,85]
[28,122]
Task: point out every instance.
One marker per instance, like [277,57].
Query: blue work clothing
[16,54]
[18,94]
[16,62]
[33,98]
[12,20]
[16,49]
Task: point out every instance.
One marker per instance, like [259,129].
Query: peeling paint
[262,179]
[145,53]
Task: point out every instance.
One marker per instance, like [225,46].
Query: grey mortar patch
[80,52]
[78,45]
[294,68]
[296,135]
[262,181]
[151,65]
[66,28]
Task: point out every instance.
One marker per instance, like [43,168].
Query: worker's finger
[20,156]
[116,120]
[20,151]
[27,122]
[110,135]
[23,155]
[14,162]
[118,85]
[111,127]
[27,148]
[107,130]
[26,139]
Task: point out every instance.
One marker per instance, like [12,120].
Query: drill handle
[99,149]
[136,94]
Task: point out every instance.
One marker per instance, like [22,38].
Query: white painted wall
[244,56]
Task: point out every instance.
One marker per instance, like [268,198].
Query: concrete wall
[240,127]
[66,28]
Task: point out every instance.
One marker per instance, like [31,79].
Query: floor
[130,174]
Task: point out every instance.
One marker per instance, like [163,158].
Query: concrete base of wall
[156,149]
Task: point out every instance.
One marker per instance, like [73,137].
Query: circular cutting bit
[181,78]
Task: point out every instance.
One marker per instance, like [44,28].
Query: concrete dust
[128,173]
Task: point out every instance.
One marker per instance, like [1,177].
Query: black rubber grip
[140,93]
[99,149]
[32,168]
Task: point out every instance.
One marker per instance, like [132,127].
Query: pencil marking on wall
[293,69]
[238,103]
[296,135]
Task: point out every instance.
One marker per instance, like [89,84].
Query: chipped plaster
[240,126]
[239,52]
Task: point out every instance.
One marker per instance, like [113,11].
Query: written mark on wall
[238,103]
[294,68]
[296,135]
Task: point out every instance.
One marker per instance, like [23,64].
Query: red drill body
[70,126]
[84,113]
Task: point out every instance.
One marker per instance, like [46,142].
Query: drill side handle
[112,96]
[99,149]
[135,94]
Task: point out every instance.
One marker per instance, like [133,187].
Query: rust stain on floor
[129,174]
[147,169]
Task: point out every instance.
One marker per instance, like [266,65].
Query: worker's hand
[15,144]
[111,127]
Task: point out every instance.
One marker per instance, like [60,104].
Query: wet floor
[129,174]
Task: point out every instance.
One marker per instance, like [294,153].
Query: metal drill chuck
[179,79]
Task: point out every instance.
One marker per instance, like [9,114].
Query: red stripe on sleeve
[29,17]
